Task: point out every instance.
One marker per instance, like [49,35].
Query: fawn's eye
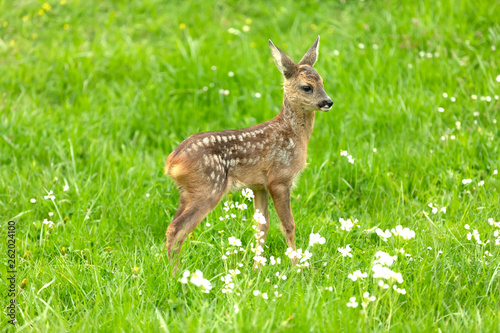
[307,88]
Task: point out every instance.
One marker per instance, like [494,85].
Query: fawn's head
[303,85]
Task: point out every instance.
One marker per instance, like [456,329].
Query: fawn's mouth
[326,108]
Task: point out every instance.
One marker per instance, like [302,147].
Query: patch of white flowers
[476,236]
[197,279]
[399,230]
[50,224]
[228,283]
[259,217]
[302,256]
[435,208]
[348,224]
[380,268]
[357,275]
[350,159]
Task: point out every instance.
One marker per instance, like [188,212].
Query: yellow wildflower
[12,42]
[63,2]
[46,6]
[65,26]
[182,26]
[248,21]
[5,23]
[313,26]
[25,18]
[35,36]
[40,12]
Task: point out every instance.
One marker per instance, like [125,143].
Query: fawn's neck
[301,122]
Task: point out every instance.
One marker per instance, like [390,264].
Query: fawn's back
[228,160]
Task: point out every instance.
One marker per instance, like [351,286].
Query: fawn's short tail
[176,166]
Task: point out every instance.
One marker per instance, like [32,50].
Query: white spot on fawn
[205,141]
[224,138]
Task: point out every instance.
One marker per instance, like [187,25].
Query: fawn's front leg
[281,198]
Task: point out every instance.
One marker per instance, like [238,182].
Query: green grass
[107,90]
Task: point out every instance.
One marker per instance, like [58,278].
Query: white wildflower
[405,233]
[48,223]
[247,193]
[347,225]
[49,196]
[383,234]
[234,241]
[345,251]
[316,239]
[352,303]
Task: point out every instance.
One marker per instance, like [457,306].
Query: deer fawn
[265,157]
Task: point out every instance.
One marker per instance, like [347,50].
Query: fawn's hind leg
[195,207]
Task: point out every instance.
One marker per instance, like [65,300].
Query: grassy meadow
[94,95]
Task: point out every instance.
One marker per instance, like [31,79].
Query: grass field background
[94,96]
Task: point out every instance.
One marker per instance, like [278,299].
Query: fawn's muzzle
[325,105]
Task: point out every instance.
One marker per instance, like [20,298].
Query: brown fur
[266,157]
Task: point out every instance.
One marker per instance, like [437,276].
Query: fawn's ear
[311,55]
[283,62]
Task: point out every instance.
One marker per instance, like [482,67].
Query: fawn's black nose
[325,103]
